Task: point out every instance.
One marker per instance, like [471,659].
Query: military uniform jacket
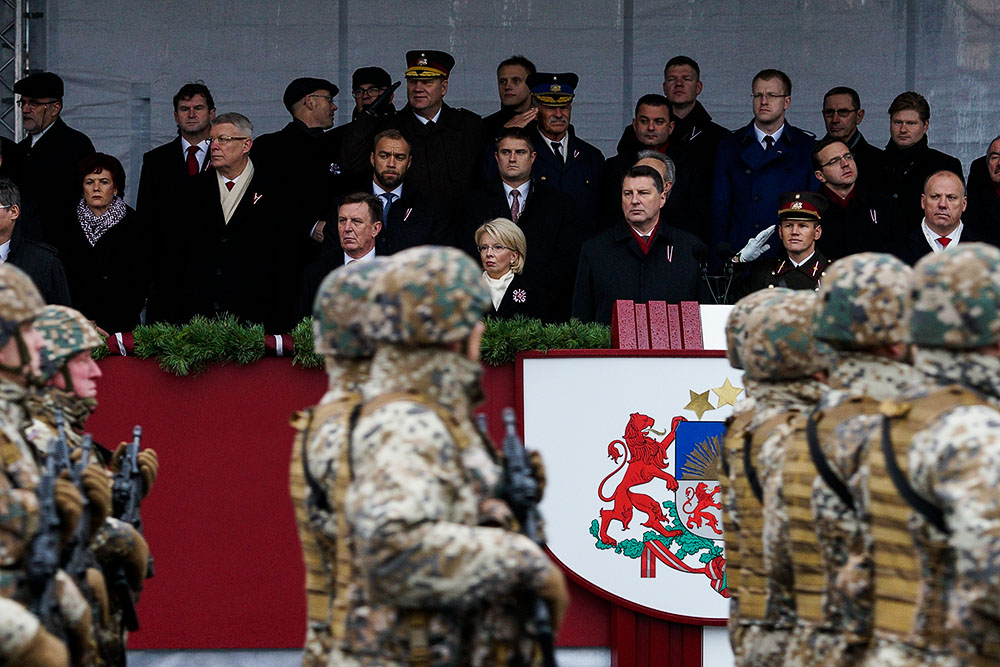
[18,504]
[780,272]
[579,176]
[49,176]
[552,232]
[445,155]
[748,181]
[613,267]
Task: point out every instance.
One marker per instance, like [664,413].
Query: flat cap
[42,84]
[301,87]
[375,76]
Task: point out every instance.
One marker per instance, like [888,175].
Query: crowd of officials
[228,221]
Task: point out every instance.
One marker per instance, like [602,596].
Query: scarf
[498,287]
[94,226]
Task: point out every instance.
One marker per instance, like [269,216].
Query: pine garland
[192,347]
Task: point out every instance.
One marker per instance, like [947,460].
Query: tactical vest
[804,461]
[732,469]
[909,604]
[753,591]
[326,581]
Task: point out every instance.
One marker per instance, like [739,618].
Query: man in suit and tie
[51,155]
[944,203]
[758,162]
[170,165]
[232,254]
[548,218]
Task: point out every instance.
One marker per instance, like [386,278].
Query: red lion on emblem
[646,459]
[704,501]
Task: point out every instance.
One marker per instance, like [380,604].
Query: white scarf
[498,286]
[231,198]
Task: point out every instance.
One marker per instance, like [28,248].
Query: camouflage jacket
[42,405]
[428,571]
[843,561]
[18,506]
[318,527]
[18,628]
[761,641]
[955,463]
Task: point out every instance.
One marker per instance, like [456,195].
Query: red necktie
[229,185]
[944,241]
[193,166]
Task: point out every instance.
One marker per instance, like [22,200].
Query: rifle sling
[823,466]
[750,470]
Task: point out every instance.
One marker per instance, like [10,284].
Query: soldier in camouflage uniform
[342,304]
[22,637]
[781,356]
[934,474]
[430,573]
[732,456]
[862,313]
[68,374]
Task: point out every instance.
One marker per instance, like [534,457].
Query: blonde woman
[502,250]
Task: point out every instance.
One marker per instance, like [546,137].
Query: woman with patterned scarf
[105,248]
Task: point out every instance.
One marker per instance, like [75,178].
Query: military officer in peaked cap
[800,264]
[564,161]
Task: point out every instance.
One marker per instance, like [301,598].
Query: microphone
[700,253]
[725,253]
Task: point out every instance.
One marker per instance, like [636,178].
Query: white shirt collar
[761,134]
[932,238]
[378,190]
[424,121]
[798,264]
[36,137]
[202,149]
[565,145]
[365,258]
[4,250]
[523,188]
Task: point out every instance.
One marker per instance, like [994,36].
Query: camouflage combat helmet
[956,298]
[780,344]
[65,332]
[343,304]
[736,322]
[864,301]
[20,301]
[427,296]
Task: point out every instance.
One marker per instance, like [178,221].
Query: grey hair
[668,164]
[237,120]
[9,194]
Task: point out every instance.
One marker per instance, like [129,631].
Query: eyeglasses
[328,98]
[842,113]
[5,206]
[757,97]
[34,103]
[368,92]
[224,140]
[496,247]
[833,162]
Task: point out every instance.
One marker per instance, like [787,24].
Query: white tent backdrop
[123,60]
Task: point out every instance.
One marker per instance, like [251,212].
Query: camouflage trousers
[316,652]
[761,645]
[887,653]
[809,646]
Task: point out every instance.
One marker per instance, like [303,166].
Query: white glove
[755,247]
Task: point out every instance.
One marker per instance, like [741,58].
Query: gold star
[699,403]
[727,393]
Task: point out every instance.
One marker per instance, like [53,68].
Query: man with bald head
[943,202]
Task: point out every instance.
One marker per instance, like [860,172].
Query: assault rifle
[43,557]
[522,497]
[126,496]
[79,558]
